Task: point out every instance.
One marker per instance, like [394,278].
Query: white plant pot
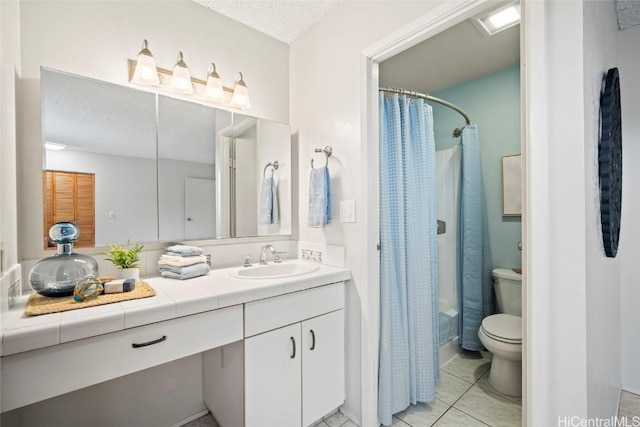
[128,273]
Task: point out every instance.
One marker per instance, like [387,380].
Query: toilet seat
[503,328]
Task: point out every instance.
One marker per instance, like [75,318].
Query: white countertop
[174,298]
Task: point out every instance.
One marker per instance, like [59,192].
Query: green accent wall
[493,103]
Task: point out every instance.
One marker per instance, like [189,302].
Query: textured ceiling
[283,20]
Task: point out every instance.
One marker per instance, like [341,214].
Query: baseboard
[191,418]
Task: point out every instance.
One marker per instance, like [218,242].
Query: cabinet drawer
[40,374]
[272,313]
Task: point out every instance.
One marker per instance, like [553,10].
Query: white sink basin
[274,271]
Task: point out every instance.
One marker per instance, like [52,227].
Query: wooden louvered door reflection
[69,196]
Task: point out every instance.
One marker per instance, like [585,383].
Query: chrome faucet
[263,255]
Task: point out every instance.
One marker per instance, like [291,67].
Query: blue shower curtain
[408,358]
[475,290]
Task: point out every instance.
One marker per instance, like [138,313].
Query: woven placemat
[39,304]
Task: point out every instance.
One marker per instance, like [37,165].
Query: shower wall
[493,103]
[448,185]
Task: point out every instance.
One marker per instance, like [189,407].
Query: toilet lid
[503,327]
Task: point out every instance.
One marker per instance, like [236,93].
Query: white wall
[629,250]
[328,112]
[95,39]
[603,274]
[9,70]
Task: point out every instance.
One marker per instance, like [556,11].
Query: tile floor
[629,406]
[204,421]
[464,398]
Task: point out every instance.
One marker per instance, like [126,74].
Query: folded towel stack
[183,262]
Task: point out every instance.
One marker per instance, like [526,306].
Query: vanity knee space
[293,362]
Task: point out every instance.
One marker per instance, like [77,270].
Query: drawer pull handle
[293,341]
[145,344]
[313,340]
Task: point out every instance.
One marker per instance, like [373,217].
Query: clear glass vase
[57,275]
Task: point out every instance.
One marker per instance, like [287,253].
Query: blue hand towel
[183,273]
[269,202]
[319,197]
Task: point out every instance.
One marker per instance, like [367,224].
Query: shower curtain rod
[457,131]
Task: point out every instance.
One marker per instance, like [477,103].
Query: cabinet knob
[313,340]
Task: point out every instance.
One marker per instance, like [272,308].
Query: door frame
[535,220]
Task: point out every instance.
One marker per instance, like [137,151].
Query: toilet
[501,333]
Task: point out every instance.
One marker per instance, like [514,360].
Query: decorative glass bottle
[57,275]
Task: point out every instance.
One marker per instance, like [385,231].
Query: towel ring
[327,152]
[274,165]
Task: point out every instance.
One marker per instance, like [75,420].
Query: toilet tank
[508,286]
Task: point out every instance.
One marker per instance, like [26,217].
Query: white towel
[184,250]
[182,273]
[180,261]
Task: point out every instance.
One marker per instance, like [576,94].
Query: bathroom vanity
[273,347]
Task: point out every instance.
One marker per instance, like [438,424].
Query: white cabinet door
[273,378]
[322,365]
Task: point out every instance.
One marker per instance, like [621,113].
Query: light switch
[112,214]
[348,211]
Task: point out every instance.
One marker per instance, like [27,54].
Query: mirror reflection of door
[69,196]
[200,210]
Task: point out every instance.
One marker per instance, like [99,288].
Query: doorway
[425,27]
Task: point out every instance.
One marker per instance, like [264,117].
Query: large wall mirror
[131,165]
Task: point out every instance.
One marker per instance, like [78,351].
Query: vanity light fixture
[54,146]
[181,79]
[214,89]
[146,72]
[240,96]
[498,20]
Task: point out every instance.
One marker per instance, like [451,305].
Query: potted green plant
[125,260]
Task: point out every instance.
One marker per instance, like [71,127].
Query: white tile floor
[205,421]
[629,406]
[464,398]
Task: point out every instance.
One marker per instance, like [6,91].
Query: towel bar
[327,152]
[274,165]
